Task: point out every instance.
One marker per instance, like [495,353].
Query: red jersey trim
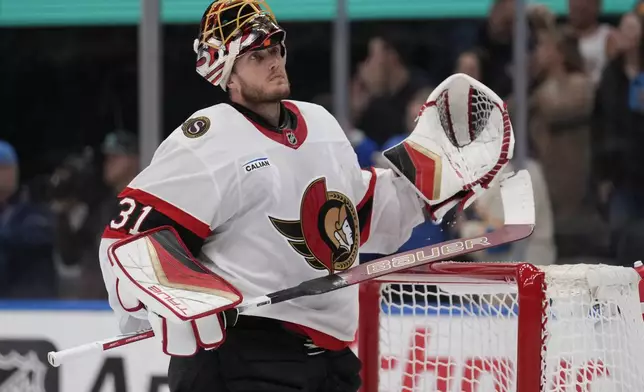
[367,204]
[113,234]
[199,228]
[300,132]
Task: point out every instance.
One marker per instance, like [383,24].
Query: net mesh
[594,332]
[464,336]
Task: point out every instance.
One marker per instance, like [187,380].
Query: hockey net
[478,327]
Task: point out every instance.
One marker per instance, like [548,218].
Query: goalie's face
[260,76]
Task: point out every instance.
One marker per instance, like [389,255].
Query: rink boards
[477,350]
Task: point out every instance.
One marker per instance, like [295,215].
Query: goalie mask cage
[502,327]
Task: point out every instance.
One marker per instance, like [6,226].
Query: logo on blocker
[256,164]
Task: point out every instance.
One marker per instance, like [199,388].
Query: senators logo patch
[327,234]
[196,127]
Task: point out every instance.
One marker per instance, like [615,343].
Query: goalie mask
[229,29]
[462,141]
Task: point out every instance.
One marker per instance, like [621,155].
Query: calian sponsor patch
[256,164]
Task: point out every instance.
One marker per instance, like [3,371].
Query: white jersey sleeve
[389,209]
[177,189]
[395,211]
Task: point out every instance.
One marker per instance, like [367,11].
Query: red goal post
[502,327]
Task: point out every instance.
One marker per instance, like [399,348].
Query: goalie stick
[518,205]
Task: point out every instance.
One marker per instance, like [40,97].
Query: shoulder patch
[196,127]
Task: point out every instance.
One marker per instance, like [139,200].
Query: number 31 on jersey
[129,212]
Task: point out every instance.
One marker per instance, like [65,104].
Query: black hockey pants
[261,355]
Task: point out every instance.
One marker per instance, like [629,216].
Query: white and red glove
[157,279]
[462,141]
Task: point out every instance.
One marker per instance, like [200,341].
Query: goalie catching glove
[184,302]
[462,141]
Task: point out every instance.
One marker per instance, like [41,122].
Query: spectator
[366,149]
[597,41]
[618,126]
[494,44]
[471,63]
[486,213]
[411,114]
[81,220]
[26,237]
[390,81]
[426,233]
[121,165]
[541,18]
[75,191]
[495,38]
[559,126]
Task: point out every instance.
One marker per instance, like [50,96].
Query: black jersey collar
[288,120]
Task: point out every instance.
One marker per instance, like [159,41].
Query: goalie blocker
[192,310]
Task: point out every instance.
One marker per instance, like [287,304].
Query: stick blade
[517,197]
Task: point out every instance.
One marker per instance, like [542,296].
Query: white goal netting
[569,329]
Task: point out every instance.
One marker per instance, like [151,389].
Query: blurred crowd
[585,131]
[50,228]
[586,126]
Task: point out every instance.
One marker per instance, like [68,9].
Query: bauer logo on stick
[196,127]
[327,233]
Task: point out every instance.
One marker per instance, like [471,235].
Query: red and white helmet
[229,29]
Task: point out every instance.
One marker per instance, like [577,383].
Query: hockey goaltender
[263,193]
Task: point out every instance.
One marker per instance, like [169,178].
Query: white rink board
[143,368]
[138,368]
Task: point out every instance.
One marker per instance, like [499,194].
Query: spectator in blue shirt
[26,237]
[427,233]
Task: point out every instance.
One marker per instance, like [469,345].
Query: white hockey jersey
[271,209]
